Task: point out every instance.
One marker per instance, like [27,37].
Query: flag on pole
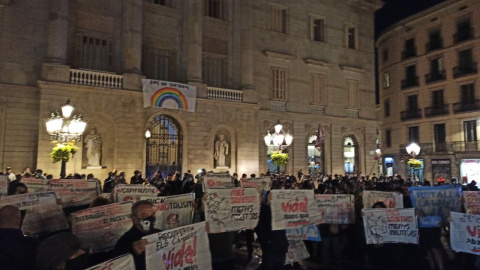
[320,138]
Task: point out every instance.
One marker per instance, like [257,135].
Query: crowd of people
[343,246]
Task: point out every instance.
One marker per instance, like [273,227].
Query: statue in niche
[93,145]
[221,151]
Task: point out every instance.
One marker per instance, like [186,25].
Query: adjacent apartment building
[304,64]
[430,91]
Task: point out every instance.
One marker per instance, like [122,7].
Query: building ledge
[277,55]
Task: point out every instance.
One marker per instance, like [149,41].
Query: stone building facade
[429,89]
[254,63]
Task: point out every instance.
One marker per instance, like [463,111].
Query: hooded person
[55,251]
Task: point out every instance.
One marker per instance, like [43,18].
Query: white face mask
[147,223]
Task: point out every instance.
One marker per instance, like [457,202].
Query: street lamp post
[65,128]
[280,139]
[413,150]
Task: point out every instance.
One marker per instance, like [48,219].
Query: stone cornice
[317,63]
[371,4]
[352,69]
[277,55]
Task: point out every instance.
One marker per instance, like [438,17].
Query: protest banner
[3,185]
[172,211]
[217,180]
[335,208]
[74,192]
[390,199]
[124,193]
[261,184]
[42,212]
[465,232]
[181,248]
[434,204]
[296,251]
[232,209]
[472,202]
[292,208]
[35,185]
[390,225]
[124,262]
[100,227]
[310,233]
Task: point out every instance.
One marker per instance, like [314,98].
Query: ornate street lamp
[279,140]
[65,129]
[413,150]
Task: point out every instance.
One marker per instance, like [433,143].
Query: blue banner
[310,233]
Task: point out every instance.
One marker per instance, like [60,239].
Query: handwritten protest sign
[74,192]
[42,212]
[172,211]
[310,233]
[218,180]
[390,199]
[472,202]
[100,227]
[232,209]
[390,225]
[296,251]
[124,262]
[465,233]
[292,208]
[434,204]
[3,185]
[124,193]
[335,208]
[261,184]
[181,248]
[35,185]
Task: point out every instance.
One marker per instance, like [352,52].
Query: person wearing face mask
[143,218]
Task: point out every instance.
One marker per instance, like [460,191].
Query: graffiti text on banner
[335,208]
[35,185]
[465,232]
[100,227]
[74,192]
[172,211]
[390,226]
[232,209]
[124,262]
[261,184]
[125,193]
[3,185]
[218,180]
[181,248]
[296,252]
[472,202]
[434,204]
[390,199]
[293,208]
[309,233]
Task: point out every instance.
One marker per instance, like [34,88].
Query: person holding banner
[143,218]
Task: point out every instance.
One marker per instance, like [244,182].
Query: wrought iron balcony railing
[437,110]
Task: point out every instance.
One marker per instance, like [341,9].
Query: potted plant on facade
[61,152]
[279,159]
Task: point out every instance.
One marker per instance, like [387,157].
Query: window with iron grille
[318,89]
[214,8]
[318,30]
[94,53]
[278,20]
[214,71]
[467,93]
[413,134]
[278,83]
[470,131]
[159,64]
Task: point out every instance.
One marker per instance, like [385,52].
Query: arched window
[314,157]
[350,154]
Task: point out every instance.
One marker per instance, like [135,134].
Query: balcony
[225,94]
[466,106]
[441,109]
[435,76]
[411,114]
[463,35]
[409,53]
[96,78]
[434,45]
[410,82]
[465,70]
[444,147]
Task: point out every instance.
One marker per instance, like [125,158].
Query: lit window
[278,83]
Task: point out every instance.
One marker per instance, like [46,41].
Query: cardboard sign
[35,185]
[124,262]
[434,204]
[293,208]
[296,252]
[390,199]
[465,233]
[181,248]
[390,226]
[74,192]
[310,233]
[3,185]
[232,209]
[124,193]
[173,211]
[100,227]
[261,184]
[336,208]
[218,180]
[472,202]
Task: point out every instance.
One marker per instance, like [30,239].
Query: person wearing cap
[137,179]
[440,180]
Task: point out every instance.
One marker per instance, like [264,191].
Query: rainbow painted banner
[170,95]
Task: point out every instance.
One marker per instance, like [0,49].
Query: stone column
[194,39]
[132,35]
[57,31]
[247,46]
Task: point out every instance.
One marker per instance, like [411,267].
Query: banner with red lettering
[35,185]
[385,225]
[3,185]
[218,180]
[173,211]
[261,184]
[232,209]
[472,202]
[124,262]
[181,248]
[296,251]
[100,227]
[74,192]
[293,208]
[336,208]
[465,232]
[390,199]
[124,193]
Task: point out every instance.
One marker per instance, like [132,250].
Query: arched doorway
[350,154]
[314,157]
[164,147]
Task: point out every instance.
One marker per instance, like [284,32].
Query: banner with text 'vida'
[465,232]
[293,208]
[181,248]
[390,225]
[170,95]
